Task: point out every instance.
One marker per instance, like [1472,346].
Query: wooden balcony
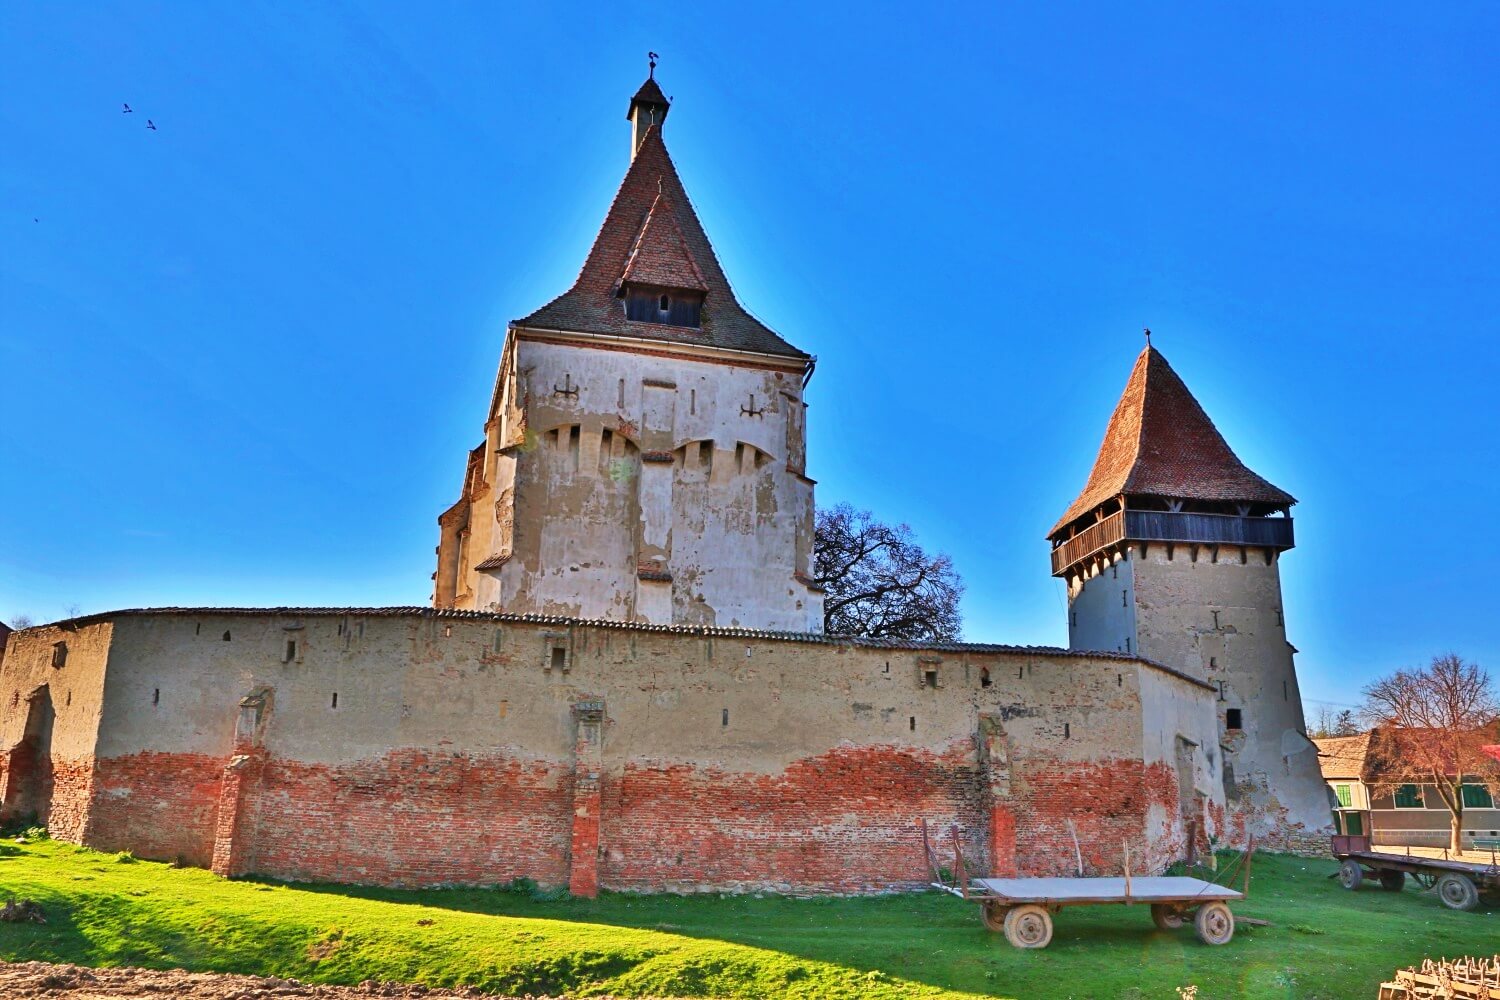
[1176,527]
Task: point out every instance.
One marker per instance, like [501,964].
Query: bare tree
[21,621]
[879,581]
[1326,722]
[1439,717]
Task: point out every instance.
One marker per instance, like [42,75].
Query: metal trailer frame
[1459,884]
[1022,909]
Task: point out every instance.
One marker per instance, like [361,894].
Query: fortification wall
[411,748]
[51,697]
[1221,618]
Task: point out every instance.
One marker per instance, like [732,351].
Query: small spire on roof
[651,57]
[1148,336]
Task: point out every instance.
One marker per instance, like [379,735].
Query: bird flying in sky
[151,125]
[128,110]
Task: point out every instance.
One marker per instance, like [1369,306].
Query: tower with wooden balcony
[1173,552]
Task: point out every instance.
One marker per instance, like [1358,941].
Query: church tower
[644,456]
[1173,552]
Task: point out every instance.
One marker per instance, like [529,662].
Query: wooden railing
[1090,540]
[1173,526]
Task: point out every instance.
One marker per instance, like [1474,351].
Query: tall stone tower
[644,456]
[1173,551]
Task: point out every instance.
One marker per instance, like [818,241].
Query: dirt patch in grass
[72,982]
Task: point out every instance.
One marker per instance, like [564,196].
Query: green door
[1354,824]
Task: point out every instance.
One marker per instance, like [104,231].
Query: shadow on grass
[1323,936]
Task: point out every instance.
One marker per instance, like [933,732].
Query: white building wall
[630,467]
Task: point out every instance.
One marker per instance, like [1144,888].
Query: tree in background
[1327,722]
[879,581]
[21,621]
[1439,718]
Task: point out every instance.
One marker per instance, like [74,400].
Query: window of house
[665,304]
[1478,797]
[1409,797]
[1345,798]
[1233,719]
[59,654]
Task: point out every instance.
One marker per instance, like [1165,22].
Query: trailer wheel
[1214,923]
[1457,892]
[993,915]
[1028,926]
[1351,874]
[1168,918]
[1392,881]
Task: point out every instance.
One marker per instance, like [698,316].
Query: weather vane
[652,57]
[1148,336]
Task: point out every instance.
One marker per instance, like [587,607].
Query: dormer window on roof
[651,245]
[650,304]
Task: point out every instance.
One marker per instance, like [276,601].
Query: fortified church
[622,681]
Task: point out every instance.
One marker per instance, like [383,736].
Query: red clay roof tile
[1160,443]
[591,306]
[660,256]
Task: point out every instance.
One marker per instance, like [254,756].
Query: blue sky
[243,355]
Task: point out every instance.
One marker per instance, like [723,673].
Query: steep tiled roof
[660,255]
[591,306]
[1160,443]
[1343,756]
[650,93]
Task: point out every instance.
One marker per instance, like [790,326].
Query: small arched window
[665,304]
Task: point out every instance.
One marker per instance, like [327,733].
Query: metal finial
[1148,336]
[651,57]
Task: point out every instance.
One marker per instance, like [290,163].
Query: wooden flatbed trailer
[1459,884]
[1022,908]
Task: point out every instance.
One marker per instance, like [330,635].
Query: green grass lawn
[1327,942]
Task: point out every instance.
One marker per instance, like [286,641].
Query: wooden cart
[1022,908]
[1458,883]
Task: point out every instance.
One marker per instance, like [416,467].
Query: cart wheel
[993,915]
[1351,874]
[1028,926]
[1214,923]
[1168,918]
[1457,892]
[1393,881]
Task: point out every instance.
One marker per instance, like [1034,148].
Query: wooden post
[1127,874]
[1249,856]
[958,863]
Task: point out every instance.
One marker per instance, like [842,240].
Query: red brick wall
[158,805]
[411,817]
[845,820]
[1107,803]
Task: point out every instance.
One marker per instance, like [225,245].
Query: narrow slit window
[59,654]
[291,651]
[1067,731]
[155,697]
[913,723]
[984,677]
[559,658]
[335,702]
[724,719]
[664,304]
